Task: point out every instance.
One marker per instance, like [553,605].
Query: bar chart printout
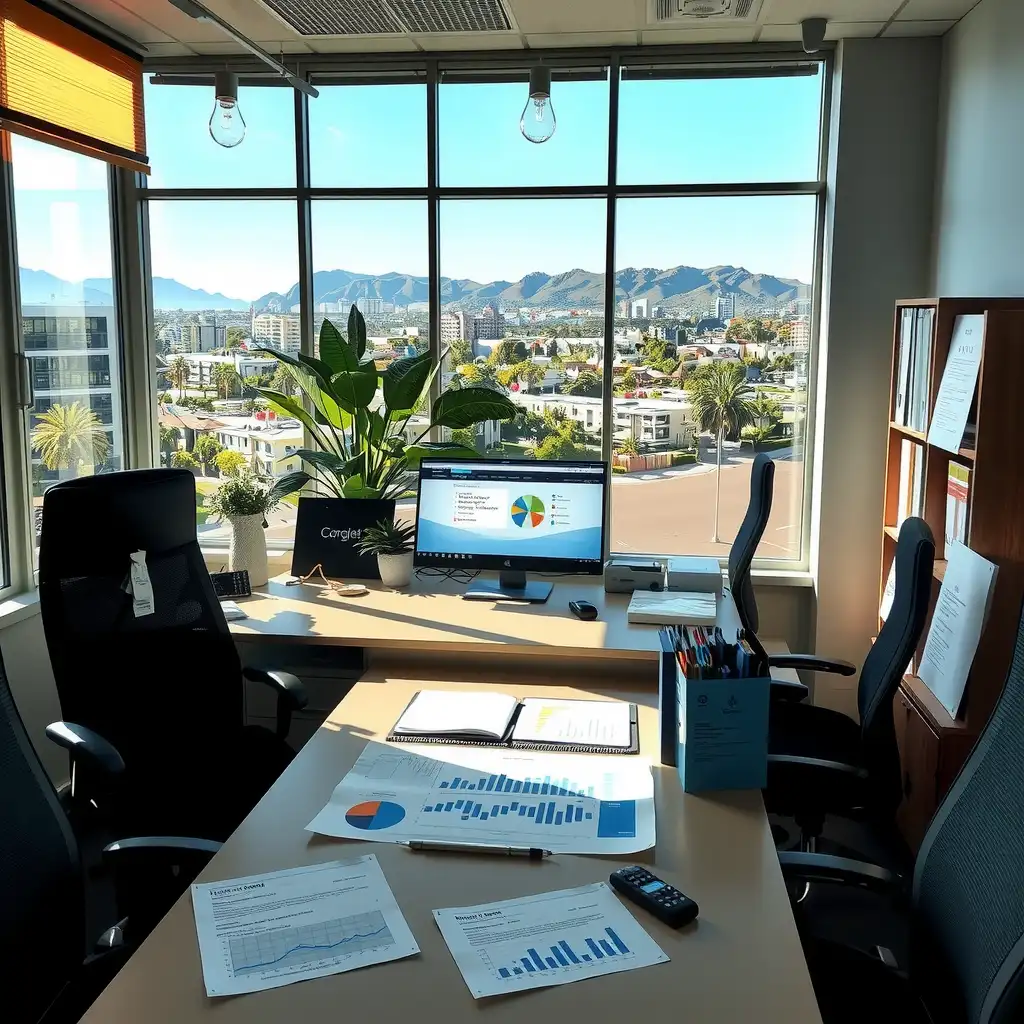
[550,939]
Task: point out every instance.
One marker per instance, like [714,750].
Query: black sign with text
[327,531]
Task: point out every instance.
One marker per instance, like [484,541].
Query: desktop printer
[624,575]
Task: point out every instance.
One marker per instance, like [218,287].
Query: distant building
[725,308]
[203,366]
[454,327]
[278,330]
[372,306]
[72,357]
[203,337]
[489,325]
[641,309]
[622,308]
[270,448]
[800,333]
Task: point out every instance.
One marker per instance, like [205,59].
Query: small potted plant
[244,502]
[392,543]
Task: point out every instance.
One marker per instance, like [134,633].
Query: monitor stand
[511,586]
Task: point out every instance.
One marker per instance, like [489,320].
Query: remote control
[667,904]
[231,584]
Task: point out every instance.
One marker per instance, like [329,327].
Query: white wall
[881,180]
[979,199]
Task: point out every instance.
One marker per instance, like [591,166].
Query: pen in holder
[713,708]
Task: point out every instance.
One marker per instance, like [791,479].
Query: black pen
[502,851]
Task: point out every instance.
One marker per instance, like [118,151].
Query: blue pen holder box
[722,732]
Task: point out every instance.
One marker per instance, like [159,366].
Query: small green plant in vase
[392,543]
[244,501]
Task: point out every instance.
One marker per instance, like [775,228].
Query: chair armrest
[789,690]
[812,663]
[822,867]
[291,694]
[798,784]
[160,850]
[86,745]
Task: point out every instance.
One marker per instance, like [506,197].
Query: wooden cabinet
[933,744]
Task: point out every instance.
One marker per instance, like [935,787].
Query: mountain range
[687,287]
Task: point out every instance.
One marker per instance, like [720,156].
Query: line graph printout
[265,931]
[562,802]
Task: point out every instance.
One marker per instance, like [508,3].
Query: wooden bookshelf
[933,745]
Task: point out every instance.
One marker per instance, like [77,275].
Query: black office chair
[741,556]
[47,970]
[966,907]
[165,688]
[820,761]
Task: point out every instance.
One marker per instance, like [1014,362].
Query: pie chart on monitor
[375,814]
[528,511]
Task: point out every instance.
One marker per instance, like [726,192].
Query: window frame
[360,69]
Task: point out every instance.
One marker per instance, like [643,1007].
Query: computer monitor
[512,515]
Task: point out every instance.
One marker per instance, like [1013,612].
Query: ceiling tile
[711,34]
[361,44]
[123,20]
[173,49]
[919,28]
[935,10]
[792,12]
[853,29]
[779,34]
[547,16]
[470,41]
[583,39]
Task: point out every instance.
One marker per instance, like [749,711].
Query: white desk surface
[741,962]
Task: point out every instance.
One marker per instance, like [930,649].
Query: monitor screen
[511,514]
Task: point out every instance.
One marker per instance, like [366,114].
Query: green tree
[581,353]
[627,382]
[178,372]
[250,383]
[756,331]
[509,352]
[283,381]
[234,337]
[628,446]
[184,460]
[720,398]
[587,385]
[230,463]
[70,437]
[466,437]
[460,352]
[168,443]
[559,445]
[206,449]
[484,375]
[226,378]
[766,411]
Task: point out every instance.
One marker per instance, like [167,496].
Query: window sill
[781,578]
[17,609]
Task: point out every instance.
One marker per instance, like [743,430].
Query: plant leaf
[355,488]
[404,381]
[443,450]
[327,461]
[355,389]
[333,350]
[468,406]
[293,407]
[288,484]
[356,332]
[323,400]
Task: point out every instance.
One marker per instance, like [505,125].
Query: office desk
[741,962]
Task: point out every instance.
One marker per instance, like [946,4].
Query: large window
[69,322]
[422,203]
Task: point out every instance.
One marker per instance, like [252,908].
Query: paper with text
[959,379]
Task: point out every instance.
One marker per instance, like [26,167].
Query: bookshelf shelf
[933,744]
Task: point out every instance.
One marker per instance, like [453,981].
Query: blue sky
[670,131]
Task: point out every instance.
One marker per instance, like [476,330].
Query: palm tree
[226,378]
[756,331]
[629,446]
[68,436]
[282,380]
[178,372]
[720,398]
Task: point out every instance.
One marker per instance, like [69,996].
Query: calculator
[666,903]
[231,584]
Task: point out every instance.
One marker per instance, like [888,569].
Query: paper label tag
[142,586]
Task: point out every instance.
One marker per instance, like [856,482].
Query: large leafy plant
[358,415]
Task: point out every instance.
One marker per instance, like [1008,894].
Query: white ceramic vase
[395,570]
[249,548]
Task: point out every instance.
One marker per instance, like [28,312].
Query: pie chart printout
[375,814]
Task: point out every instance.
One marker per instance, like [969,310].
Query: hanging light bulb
[227,126]
[538,121]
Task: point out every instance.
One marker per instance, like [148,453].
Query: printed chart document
[550,939]
[265,931]
[607,723]
[956,625]
[959,379]
[560,802]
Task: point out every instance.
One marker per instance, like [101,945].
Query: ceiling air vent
[391,17]
[704,10]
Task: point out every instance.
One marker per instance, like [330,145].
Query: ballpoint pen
[502,851]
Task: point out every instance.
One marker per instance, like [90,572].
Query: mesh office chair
[741,556]
[46,971]
[166,689]
[966,913]
[820,761]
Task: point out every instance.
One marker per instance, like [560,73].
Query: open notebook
[534,723]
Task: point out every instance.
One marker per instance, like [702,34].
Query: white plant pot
[249,548]
[395,570]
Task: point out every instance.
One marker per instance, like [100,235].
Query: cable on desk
[455,575]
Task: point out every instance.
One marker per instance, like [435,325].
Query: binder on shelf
[958,488]
[910,496]
[903,365]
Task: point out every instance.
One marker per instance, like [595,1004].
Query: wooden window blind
[64,86]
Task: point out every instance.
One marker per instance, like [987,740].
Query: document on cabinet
[959,380]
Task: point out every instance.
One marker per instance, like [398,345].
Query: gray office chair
[48,972]
[966,908]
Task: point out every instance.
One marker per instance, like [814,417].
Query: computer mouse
[583,610]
